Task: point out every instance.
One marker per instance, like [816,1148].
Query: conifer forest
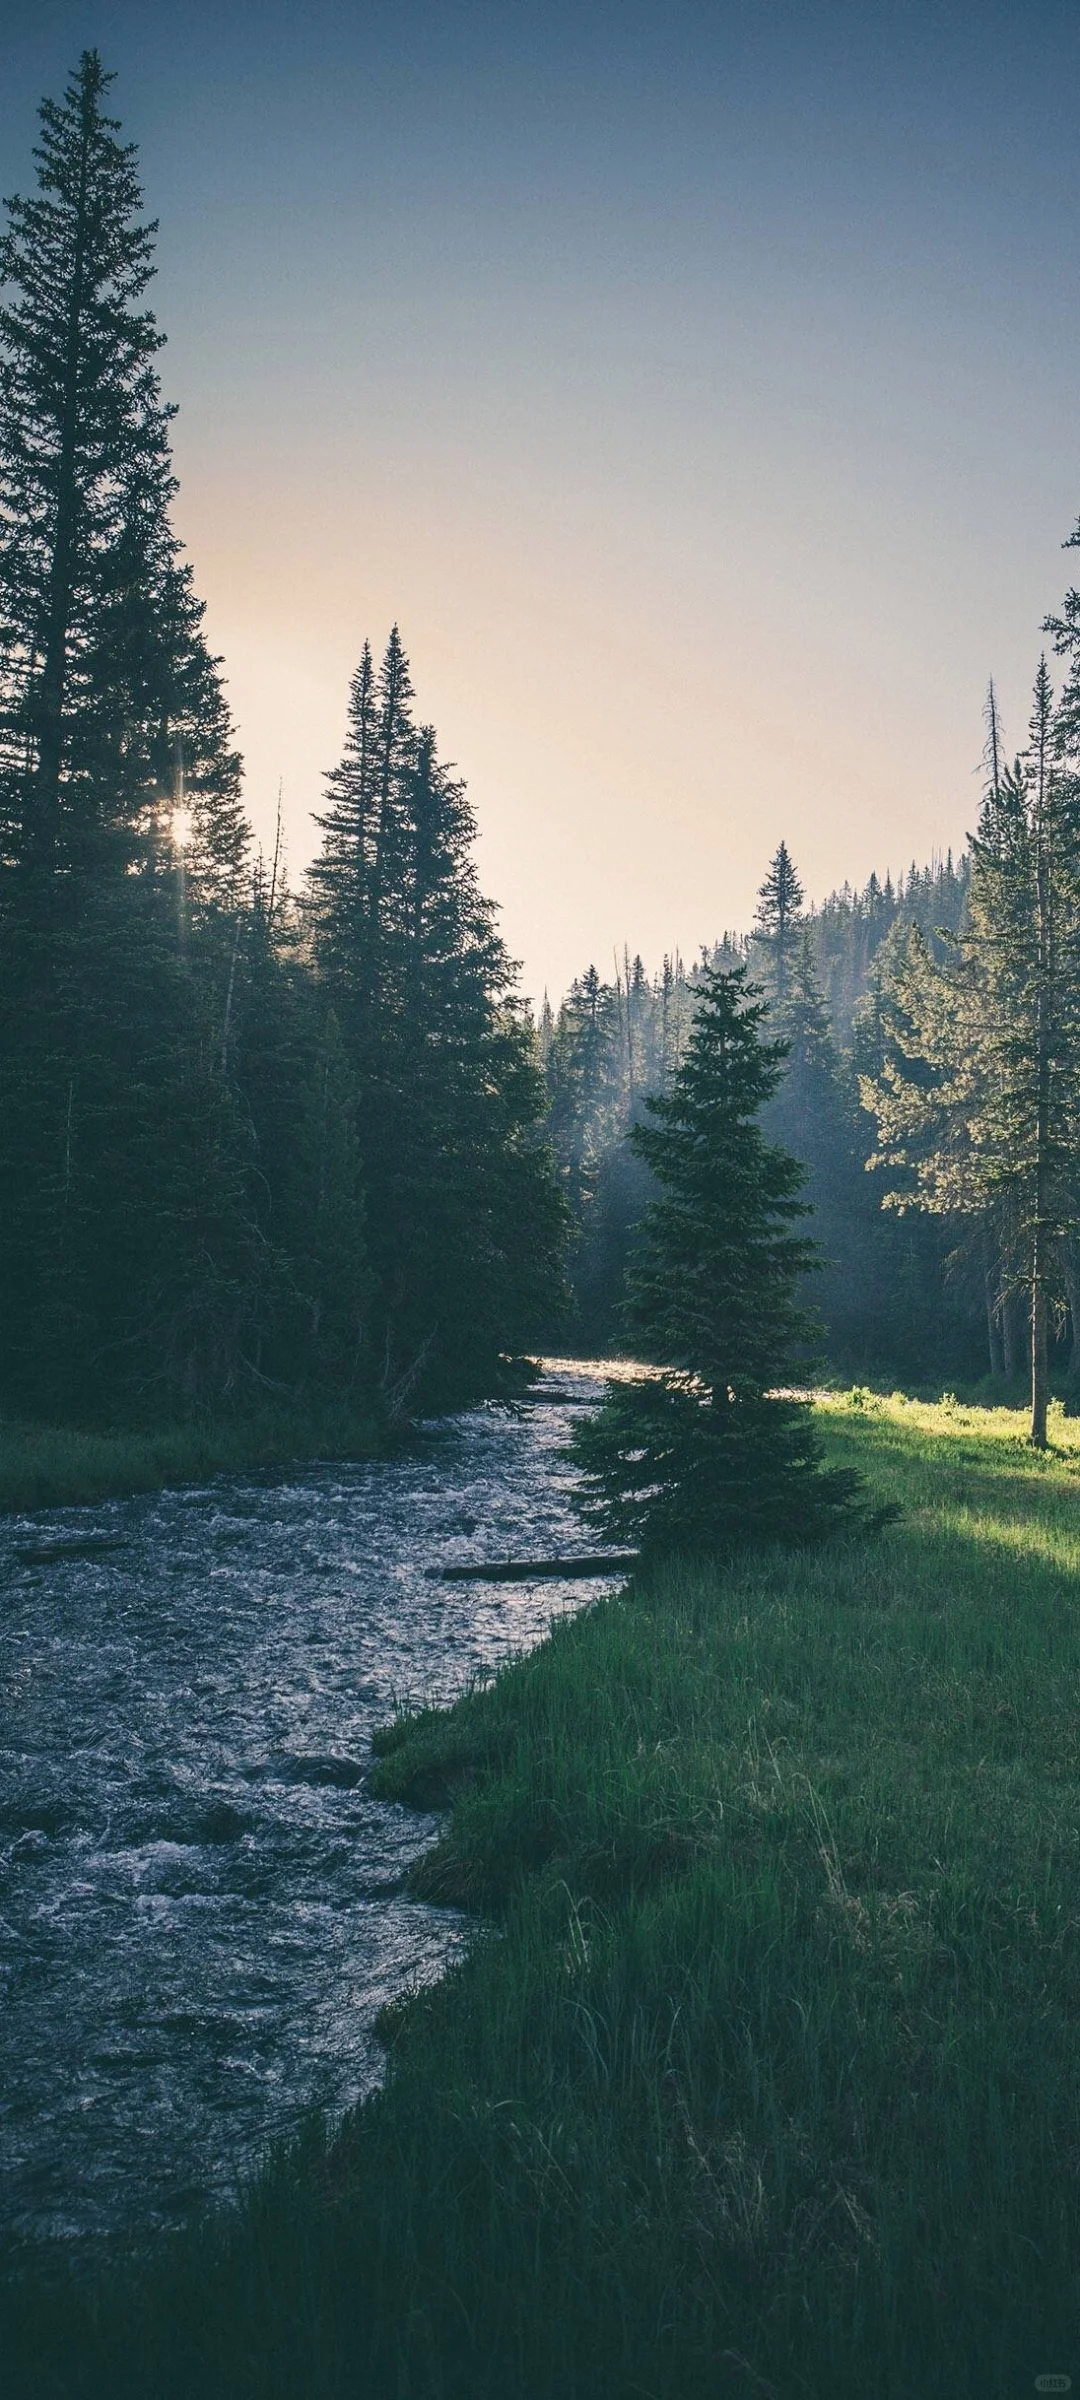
[254,1141]
[539,1821]
[308,1142]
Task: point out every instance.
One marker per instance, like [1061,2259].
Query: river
[201,1907]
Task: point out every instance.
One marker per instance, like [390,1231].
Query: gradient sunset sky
[698,386]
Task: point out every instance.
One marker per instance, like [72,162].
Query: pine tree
[709,1454]
[779,902]
[120,1137]
[978,1099]
[813,1114]
[395,755]
[290,1073]
[340,878]
[108,695]
[464,1222]
[584,1071]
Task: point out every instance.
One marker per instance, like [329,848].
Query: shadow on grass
[768,2082]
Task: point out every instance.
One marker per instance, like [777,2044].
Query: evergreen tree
[465,1225]
[779,902]
[289,1068]
[393,832]
[898,1292]
[902,1309]
[584,1072]
[978,1100]
[123,1149]
[341,875]
[849,929]
[590,1104]
[709,1454]
[107,693]
[813,1115]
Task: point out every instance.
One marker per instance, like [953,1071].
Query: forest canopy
[252,1142]
[309,1143]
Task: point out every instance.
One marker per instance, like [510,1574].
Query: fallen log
[523,1570]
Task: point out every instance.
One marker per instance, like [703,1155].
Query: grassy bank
[53,1466]
[768,2081]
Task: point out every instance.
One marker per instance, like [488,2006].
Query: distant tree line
[252,1144]
[896,1295]
[931,1084]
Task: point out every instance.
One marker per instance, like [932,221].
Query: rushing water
[201,1908]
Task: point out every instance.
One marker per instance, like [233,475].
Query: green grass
[54,1466]
[765,2076]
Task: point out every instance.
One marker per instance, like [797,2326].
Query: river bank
[769,2082]
[65,1466]
[202,1907]
[70,1466]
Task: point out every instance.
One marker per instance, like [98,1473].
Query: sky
[697,387]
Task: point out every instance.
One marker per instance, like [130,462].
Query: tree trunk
[994,1341]
[1044,1013]
[1039,1371]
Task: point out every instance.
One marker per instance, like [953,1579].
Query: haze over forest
[539,1449]
[697,393]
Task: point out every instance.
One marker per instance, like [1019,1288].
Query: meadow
[762,2077]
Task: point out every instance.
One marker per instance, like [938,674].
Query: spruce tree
[584,1077]
[340,878]
[779,902]
[709,1453]
[464,1221]
[978,1097]
[123,1149]
[108,696]
[813,1113]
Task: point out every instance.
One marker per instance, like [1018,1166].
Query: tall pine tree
[111,715]
[775,925]
[978,1098]
[465,1224]
[709,1453]
[107,693]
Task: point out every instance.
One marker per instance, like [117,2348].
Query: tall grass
[49,1466]
[764,2075]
